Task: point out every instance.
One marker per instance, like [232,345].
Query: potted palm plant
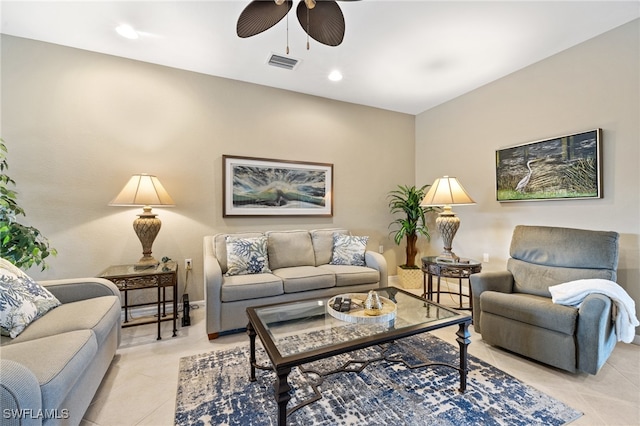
[21,245]
[406,200]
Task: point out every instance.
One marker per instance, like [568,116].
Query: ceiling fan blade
[259,16]
[326,22]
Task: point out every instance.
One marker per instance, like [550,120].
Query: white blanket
[573,293]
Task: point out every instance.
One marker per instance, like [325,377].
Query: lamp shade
[143,190]
[446,191]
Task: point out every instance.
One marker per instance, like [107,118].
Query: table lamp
[146,191]
[446,192]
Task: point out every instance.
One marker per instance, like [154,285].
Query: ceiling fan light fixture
[279,2]
[310,3]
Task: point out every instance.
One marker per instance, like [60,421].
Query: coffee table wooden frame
[282,365]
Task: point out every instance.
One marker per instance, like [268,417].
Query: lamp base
[447,256]
[448,224]
[147,226]
[146,262]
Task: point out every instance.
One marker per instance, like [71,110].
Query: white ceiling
[405,56]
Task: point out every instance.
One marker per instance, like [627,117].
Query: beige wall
[79,124]
[595,84]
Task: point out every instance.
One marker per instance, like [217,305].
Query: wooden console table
[128,278]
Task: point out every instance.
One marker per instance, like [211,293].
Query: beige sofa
[51,371]
[300,268]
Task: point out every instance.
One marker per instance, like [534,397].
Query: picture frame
[282,188]
[561,168]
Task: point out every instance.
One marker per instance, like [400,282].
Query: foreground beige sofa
[300,268]
[51,371]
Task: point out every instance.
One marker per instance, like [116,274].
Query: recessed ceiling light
[335,75]
[127,31]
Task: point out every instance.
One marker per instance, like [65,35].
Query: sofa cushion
[244,287]
[347,275]
[22,300]
[220,246]
[530,309]
[304,278]
[322,240]
[98,314]
[247,255]
[348,250]
[56,361]
[290,248]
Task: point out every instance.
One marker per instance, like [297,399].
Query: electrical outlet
[381,249]
[188,265]
[485,257]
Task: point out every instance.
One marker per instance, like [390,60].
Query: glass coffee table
[275,324]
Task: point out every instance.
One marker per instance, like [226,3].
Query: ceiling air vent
[282,62]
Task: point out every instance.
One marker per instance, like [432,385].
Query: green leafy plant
[406,200]
[21,245]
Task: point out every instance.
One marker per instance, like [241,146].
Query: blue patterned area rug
[214,389]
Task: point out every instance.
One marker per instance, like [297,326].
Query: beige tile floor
[140,386]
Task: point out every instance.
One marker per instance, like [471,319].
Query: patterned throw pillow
[348,250]
[247,256]
[22,300]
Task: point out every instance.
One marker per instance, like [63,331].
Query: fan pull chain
[287,33]
[307,28]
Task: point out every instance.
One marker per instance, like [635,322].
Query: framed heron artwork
[565,167]
[266,187]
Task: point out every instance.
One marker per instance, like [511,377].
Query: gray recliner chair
[513,308]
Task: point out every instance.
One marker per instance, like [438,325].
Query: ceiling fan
[322,20]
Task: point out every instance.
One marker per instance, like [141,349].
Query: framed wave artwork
[266,187]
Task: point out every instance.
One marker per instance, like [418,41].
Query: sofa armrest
[20,395]
[377,261]
[75,289]
[212,289]
[595,336]
[501,281]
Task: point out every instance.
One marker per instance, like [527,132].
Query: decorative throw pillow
[22,300]
[247,256]
[348,250]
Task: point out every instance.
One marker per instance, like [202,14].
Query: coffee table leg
[252,351]
[282,394]
[463,341]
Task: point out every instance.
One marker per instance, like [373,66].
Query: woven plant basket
[410,278]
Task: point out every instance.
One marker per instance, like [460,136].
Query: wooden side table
[462,269]
[128,278]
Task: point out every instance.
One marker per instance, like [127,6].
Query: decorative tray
[357,315]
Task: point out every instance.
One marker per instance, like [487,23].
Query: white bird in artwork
[520,187]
